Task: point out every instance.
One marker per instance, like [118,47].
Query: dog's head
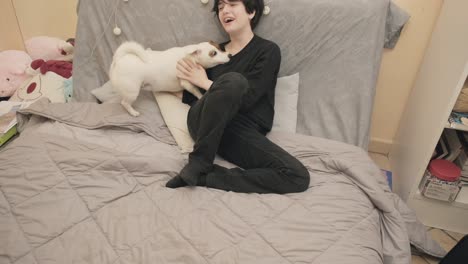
[209,54]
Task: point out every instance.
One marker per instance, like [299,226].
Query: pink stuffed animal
[49,48]
[13,64]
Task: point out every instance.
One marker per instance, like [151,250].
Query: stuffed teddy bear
[13,64]
[50,48]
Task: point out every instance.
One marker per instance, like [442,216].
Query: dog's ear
[196,52]
[216,45]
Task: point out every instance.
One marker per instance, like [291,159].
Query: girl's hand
[178,94]
[194,73]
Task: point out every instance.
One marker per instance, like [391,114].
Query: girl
[236,112]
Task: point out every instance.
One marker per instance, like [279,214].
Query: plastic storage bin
[441,181]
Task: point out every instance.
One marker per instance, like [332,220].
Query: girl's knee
[233,77]
[298,179]
[302,179]
[232,82]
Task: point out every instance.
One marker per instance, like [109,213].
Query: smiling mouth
[228,20]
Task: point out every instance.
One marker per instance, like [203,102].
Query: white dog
[133,67]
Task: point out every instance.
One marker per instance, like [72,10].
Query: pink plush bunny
[49,48]
[13,64]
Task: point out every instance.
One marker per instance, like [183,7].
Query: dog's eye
[213,53]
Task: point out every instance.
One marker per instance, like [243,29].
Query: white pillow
[286,95]
[175,113]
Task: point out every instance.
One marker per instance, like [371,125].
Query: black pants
[458,254]
[217,127]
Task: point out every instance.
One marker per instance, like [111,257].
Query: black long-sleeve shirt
[259,63]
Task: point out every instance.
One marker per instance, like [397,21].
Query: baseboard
[379,145]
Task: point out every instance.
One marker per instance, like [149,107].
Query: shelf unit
[443,72]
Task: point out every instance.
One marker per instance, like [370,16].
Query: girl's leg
[267,167]
[207,120]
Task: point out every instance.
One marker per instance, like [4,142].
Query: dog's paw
[134,113]
[129,108]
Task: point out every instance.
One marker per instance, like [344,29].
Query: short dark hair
[250,7]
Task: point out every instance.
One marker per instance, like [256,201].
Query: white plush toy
[49,48]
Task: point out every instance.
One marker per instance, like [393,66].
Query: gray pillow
[106,94]
[396,19]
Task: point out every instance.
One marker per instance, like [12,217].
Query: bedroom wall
[398,70]
[23,19]
[9,28]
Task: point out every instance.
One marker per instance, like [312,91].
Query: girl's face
[233,16]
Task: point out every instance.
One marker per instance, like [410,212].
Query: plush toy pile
[45,69]
[13,64]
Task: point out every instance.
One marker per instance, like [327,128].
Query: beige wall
[10,34]
[61,18]
[398,71]
[23,19]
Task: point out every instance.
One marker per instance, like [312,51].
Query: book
[7,121]
[454,145]
[388,175]
[461,161]
[441,149]
[4,137]
[458,121]
[8,114]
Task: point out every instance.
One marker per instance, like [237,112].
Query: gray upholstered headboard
[335,45]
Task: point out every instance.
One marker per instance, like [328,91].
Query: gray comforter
[71,194]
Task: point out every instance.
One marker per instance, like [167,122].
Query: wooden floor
[446,239]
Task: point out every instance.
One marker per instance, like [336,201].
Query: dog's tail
[130,47]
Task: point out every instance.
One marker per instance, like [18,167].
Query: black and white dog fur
[134,67]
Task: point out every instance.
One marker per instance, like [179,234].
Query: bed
[84,182]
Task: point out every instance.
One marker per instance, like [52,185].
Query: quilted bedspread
[84,183]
